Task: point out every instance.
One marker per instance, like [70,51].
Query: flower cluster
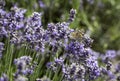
[73,72]
[78,61]
[11,21]
[69,50]
[24,67]
[56,64]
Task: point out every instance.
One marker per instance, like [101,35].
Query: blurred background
[99,18]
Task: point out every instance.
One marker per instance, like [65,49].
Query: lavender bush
[29,52]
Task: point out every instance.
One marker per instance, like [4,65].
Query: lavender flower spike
[72,15]
[4,77]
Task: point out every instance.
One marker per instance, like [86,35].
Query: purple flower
[72,15]
[41,4]
[73,72]
[24,66]
[93,68]
[87,41]
[18,13]
[3,32]
[117,68]
[4,78]
[2,12]
[76,51]
[57,63]
[27,71]
[110,53]
[35,20]
[110,75]
[59,31]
